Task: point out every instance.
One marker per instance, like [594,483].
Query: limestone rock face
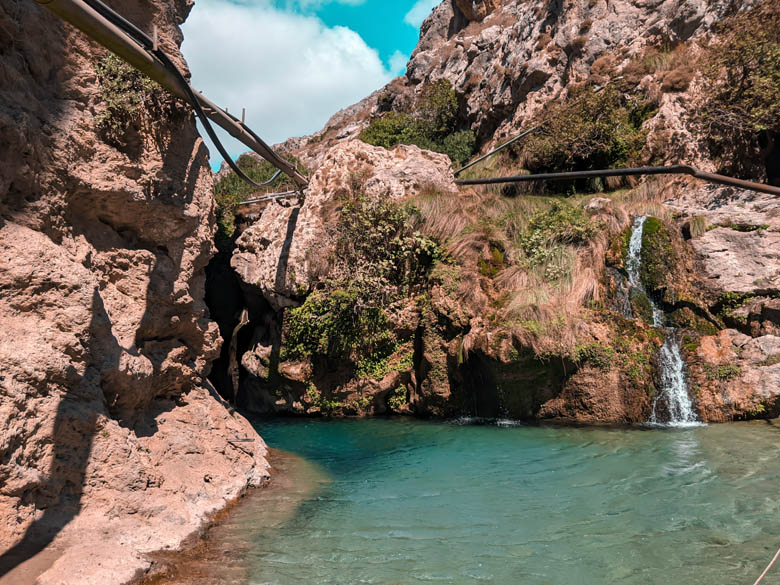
[282,253]
[477,9]
[739,252]
[739,376]
[107,422]
[746,262]
[507,59]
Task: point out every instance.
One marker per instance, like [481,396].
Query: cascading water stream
[674,388]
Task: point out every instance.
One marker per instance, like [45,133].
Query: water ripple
[477,501]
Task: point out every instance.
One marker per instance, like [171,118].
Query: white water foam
[674,387]
[634,257]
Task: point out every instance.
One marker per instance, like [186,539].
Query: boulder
[738,261]
[284,252]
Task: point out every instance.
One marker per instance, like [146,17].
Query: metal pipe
[88,21]
[668,170]
[269,197]
[498,149]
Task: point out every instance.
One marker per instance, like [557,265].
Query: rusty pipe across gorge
[90,22]
[667,170]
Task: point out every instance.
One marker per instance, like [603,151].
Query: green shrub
[548,233]
[130,98]
[686,318]
[742,85]
[314,398]
[589,131]
[728,304]
[378,259]
[334,324]
[563,223]
[722,373]
[459,146]
[596,354]
[231,190]
[376,244]
[398,399]
[432,125]
[494,265]
[391,129]
[437,108]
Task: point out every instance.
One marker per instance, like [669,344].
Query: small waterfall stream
[674,388]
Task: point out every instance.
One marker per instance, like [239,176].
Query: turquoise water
[419,503]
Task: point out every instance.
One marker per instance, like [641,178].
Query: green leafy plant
[398,399]
[742,85]
[377,244]
[432,125]
[549,232]
[595,354]
[589,130]
[494,265]
[231,190]
[378,259]
[722,373]
[130,98]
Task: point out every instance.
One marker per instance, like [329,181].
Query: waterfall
[674,388]
[634,257]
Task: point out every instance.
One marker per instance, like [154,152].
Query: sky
[294,63]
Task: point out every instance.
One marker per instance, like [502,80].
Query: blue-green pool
[413,503]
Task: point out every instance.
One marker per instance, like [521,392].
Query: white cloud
[420,11]
[398,63]
[290,71]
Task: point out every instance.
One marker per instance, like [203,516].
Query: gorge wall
[493,302]
[113,443]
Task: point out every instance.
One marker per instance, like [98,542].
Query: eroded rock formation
[278,255]
[112,440]
[590,355]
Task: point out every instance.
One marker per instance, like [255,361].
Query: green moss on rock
[659,258]
[685,318]
[722,372]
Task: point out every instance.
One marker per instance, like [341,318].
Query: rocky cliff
[113,442]
[509,302]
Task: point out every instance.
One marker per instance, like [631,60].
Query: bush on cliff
[549,232]
[131,99]
[378,260]
[231,190]
[432,125]
[742,86]
[588,131]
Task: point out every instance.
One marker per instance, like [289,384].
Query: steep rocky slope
[112,440]
[514,301]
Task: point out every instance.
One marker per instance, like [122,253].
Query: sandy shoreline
[216,553]
[27,572]
[220,554]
